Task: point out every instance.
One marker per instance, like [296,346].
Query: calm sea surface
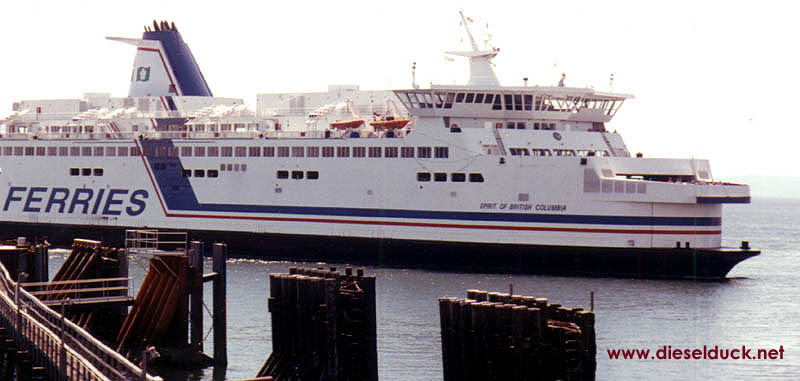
[757,307]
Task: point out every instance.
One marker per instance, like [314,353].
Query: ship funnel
[164,64]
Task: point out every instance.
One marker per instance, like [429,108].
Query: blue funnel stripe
[188,76]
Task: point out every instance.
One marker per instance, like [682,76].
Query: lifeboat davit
[345,124]
[389,124]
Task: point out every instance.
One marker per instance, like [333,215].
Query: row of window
[228,151]
[86,171]
[508,102]
[200,173]
[455,177]
[69,151]
[297,175]
[555,152]
[527,125]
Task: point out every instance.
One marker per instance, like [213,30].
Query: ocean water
[757,308]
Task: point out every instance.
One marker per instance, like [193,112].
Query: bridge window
[528,102]
[470,97]
[459,97]
[497,103]
[458,177]
[508,101]
[475,178]
[488,99]
[479,98]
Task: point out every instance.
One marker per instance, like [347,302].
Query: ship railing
[151,242]
[251,134]
[55,341]
[294,134]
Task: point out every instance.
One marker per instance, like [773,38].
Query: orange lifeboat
[345,124]
[389,124]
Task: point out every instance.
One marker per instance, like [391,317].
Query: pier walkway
[62,348]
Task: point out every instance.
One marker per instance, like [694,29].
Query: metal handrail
[106,364]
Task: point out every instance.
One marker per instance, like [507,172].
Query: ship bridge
[547,103]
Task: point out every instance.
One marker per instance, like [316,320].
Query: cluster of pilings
[493,336]
[323,326]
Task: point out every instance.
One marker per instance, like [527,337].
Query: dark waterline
[755,307]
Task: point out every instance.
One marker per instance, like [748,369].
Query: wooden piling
[220,255]
[513,337]
[196,250]
[323,325]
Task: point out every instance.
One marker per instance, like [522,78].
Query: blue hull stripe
[178,195]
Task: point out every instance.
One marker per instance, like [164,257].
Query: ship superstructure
[471,172]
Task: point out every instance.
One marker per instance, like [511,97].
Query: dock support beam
[220,255]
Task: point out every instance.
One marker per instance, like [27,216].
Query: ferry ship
[479,175]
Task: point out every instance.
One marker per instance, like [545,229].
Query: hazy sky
[712,79]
